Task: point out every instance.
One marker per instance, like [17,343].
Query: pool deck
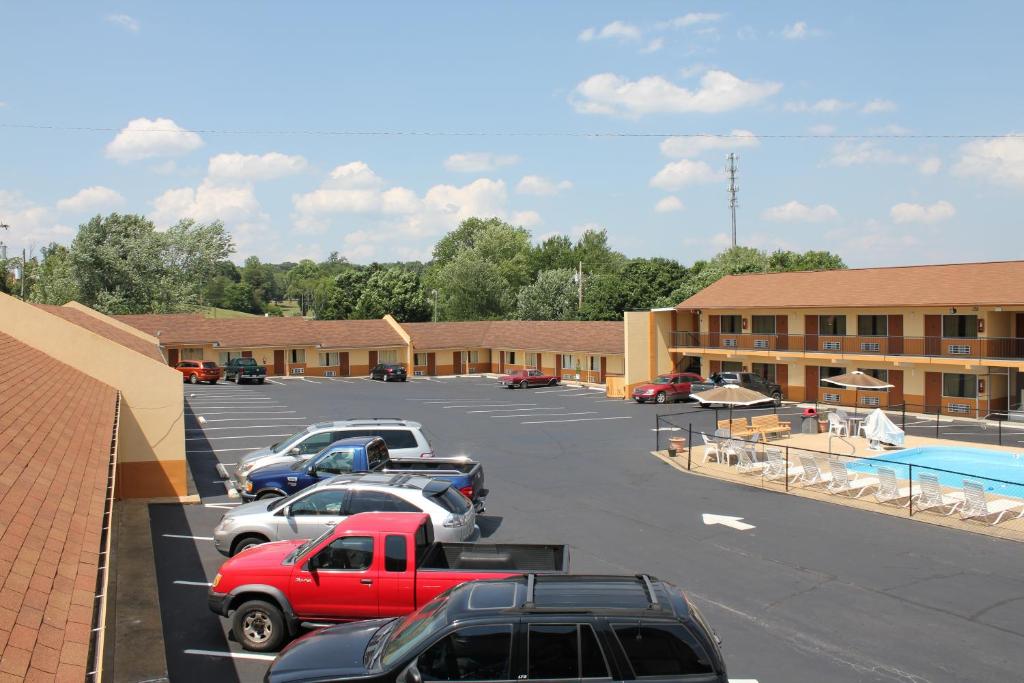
[692,462]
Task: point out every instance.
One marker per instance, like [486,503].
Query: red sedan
[195,371]
[527,378]
[665,388]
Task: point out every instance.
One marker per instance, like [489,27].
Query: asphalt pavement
[813,592]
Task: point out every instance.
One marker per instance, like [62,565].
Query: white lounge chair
[745,462]
[932,497]
[775,465]
[977,506]
[811,475]
[843,483]
[711,449]
[889,490]
[837,426]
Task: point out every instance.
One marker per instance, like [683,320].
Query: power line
[484,133]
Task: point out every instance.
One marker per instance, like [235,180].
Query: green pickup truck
[240,370]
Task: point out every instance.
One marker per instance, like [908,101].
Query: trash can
[809,423]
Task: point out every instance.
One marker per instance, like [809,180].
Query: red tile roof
[561,336]
[103,329]
[957,284]
[56,425]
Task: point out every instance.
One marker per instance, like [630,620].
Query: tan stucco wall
[151,436]
[637,339]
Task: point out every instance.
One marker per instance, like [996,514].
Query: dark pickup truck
[244,370]
[747,380]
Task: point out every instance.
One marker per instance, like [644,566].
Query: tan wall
[616,365]
[662,341]
[151,436]
[638,361]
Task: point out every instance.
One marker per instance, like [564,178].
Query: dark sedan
[388,372]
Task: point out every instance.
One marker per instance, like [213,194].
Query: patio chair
[837,425]
[889,490]
[843,483]
[746,462]
[811,475]
[775,465]
[931,496]
[977,506]
[711,448]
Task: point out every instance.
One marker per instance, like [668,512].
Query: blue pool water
[978,463]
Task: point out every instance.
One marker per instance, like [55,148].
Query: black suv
[388,371]
[528,627]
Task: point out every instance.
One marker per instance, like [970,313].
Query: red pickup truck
[374,564]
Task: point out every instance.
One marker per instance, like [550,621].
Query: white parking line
[235,399]
[254,436]
[585,412]
[204,408]
[582,419]
[508,410]
[308,380]
[221,506]
[232,655]
[204,584]
[274,381]
[491,405]
[191,538]
[554,391]
[246,419]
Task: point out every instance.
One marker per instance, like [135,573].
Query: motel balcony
[965,348]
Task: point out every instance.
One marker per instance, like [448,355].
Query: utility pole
[3,247]
[433,293]
[579,284]
[732,193]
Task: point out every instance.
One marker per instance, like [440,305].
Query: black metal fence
[930,420]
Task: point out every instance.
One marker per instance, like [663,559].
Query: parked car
[388,372]
[312,511]
[667,388]
[527,378]
[245,369]
[613,628]
[196,371]
[375,564]
[404,439]
[361,454]
[748,380]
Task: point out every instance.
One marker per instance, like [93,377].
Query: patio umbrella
[732,395]
[857,380]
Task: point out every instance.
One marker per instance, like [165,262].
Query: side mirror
[412,675]
[286,511]
[295,450]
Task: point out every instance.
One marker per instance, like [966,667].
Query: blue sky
[145,74]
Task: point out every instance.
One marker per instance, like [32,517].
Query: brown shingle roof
[56,425]
[101,328]
[464,335]
[959,284]
[530,335]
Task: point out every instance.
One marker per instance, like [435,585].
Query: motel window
[419,359]
[955,385]
[191,354]
[329,359]
[872,325]
[882,375]
[595,363]
[766,370]
[963,326]
[298,355]
[732,366]
[474,356]
[533,360]
[832,325]
[225,356]
[389,356]
[568,361]
[763,324]
[732,324]
[825,372]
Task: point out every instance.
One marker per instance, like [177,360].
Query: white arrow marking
[725,520]
[666,429]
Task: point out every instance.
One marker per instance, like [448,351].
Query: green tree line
[485,269]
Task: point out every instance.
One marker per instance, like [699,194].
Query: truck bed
[429,465]
[503,557]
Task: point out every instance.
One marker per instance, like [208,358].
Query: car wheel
[246,542]
[661,398]
[260,381]
[193,378]
[638,400]
[777,398]
[524,384]
[258,626]
[213,381]
[268,494]
[553,382]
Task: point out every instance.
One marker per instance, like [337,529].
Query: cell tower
[733,189]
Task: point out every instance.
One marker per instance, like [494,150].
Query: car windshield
[662,380]
[312,543]
[414,629]
[287,443]
[279,502]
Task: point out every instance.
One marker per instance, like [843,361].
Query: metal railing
[970,348]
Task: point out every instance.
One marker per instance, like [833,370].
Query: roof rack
[531,580]
[649,587]
[644,579]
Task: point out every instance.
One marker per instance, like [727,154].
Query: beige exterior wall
[639,360]
[151,434]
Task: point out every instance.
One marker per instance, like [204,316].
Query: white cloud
[669,204]
[878,106]
[719,91]
[848,153]
[684,172]
[124,21]
[2,104]
[826,106]
[918,213]
[746,33]
[478,162]
[690,19]
[482,197]
[930,166]
[822,129]
[145,138]
[255,166]
[998,160]
[653,46]
[799,30]
[693,70]
[353,188]
[537,185]
[32,225]
[795,212]
[90,199]
[527,219]
[235,205]
[616,29]
[679,147]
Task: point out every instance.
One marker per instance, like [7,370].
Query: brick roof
[229,333]
[55,430]
[530,335]
[957,284]
[103,329]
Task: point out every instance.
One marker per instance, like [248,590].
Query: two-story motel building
[947,337]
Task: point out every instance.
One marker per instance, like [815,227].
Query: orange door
[811,382]
[343,364]
[782,378]
[782,333]
[895,335]
[932,335]
[431,364]
[896,393]
[811,335]
[278,361]
[932,391]
[172,357]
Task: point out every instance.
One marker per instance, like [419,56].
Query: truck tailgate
[498,557]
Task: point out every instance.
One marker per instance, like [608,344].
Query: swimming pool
[980,463]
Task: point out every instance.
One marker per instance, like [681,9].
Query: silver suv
[310,512]
[404,439]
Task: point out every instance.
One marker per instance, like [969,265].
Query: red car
[666,388]
[527,378]
[373,564]
[196,371]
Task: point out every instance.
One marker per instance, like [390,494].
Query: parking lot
[812,592]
